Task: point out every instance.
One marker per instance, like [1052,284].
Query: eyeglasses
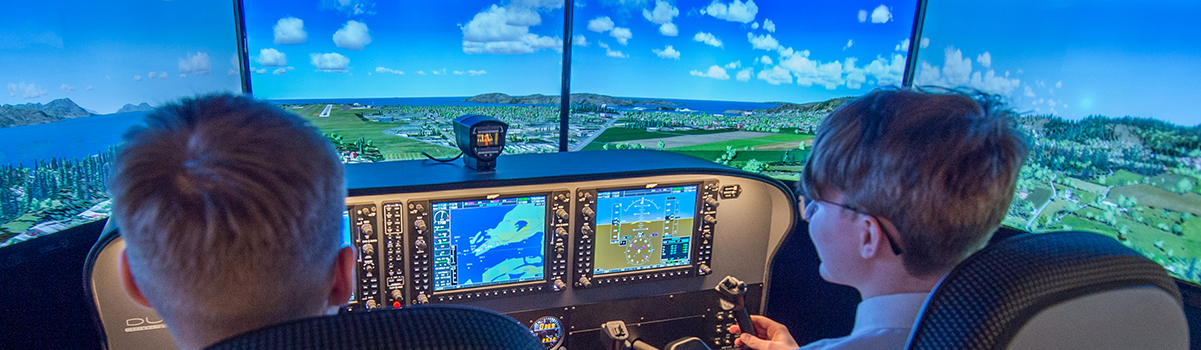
[896,248]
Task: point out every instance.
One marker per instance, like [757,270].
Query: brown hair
[940,166]
[231,209]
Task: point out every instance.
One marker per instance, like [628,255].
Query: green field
[624,134]
[347,124]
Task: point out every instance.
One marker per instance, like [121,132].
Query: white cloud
[505,30]
[862,16]
[233,60]
[290,31]
[152,75]
[28,90]
[458,72]
[612,53]
[351,7]
[765,60]
[279,71]
[809,72]
[89,88]
[762,42]
[663,13]
[1029,92]
[994,83]
[352,36]
[260,70]
[476,72]
[769,26]
[272,58]
[667,52]
[855,76]
[736,11]
[162,75]
[985,59]
[850,42]
[1059,84]
[388,70]
[439,72]
[925,42]
[886,71]
[669,29]
[776,76]
[600,24]
[707,38]
[622,35]
[329,62]
[957,72]
[137,78]
[232,72]
[579,40]
[197,64]
[903,46]
[755,25]
[734,65]
[881,14]
[744,75]
[420,72]
[714,72]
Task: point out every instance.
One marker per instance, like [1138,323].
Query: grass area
[1122,177]
[785,137]
[624,134]
[701,132]
[716,146]
[347,124]
[1088,186]
[594,146]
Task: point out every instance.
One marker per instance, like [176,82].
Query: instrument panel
[562,256]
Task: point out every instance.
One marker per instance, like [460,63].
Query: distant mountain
[37,113]
[131,108]
[819,107]
[576,99]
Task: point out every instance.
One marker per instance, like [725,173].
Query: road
[587,141]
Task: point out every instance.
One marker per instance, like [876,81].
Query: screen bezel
[692,249]
[547,240]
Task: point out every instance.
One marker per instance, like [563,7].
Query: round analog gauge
[639,250]
[549,331]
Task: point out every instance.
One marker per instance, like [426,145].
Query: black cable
[427,155]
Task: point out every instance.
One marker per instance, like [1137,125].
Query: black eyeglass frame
[896,248]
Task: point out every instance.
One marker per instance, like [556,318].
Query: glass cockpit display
[641,229]
[488,242]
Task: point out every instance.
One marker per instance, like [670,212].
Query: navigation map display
[488,242]
[640,229]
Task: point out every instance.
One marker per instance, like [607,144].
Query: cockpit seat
[1066,290]
[446,327]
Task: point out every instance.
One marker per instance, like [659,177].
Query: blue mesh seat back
[418,327]
[985,300]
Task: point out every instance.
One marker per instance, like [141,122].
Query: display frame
[421,243]
[700,251]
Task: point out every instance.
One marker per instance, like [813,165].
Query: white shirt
[881,322]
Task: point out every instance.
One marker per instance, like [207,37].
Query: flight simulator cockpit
[575,164]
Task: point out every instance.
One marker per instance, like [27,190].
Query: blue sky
[103,54]
[734,50]
[1070,58]
[358,48]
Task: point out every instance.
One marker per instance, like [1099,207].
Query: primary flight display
[640,229]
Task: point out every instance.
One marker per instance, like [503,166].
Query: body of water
[72,138]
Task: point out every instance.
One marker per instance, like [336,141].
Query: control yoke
[733,298]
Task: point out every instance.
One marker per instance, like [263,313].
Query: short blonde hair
[231,209]
[940,166]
